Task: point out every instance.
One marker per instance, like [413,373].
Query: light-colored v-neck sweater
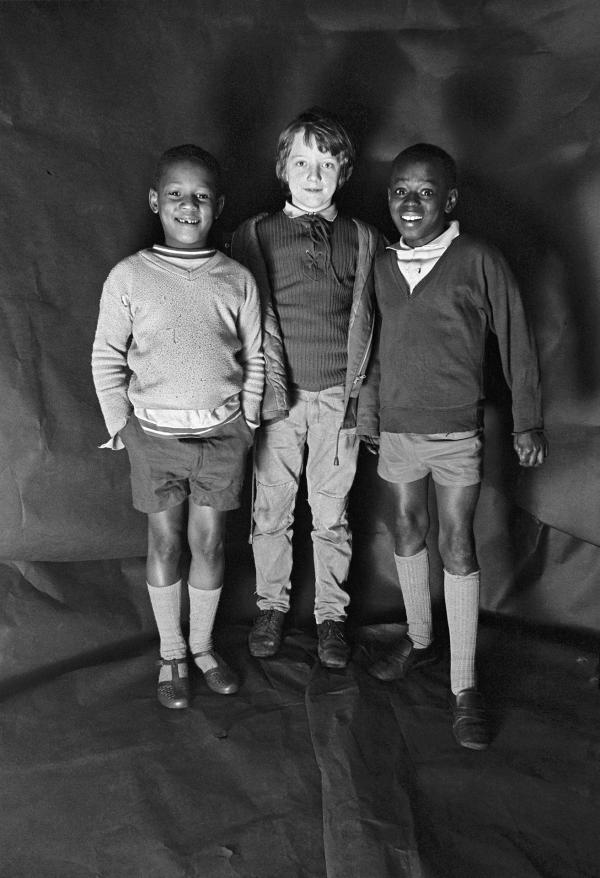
[173,338]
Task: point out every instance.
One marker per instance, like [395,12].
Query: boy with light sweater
[439,293]
[178,369]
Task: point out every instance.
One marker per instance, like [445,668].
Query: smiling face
[312,176]
[187,203]
[420,199]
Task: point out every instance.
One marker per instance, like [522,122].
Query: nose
[314,172]
[412,198]
[190,201]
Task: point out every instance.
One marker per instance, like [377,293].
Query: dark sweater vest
[312,284]
[432,343]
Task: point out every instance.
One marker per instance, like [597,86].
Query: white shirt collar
[442,242]
[328,213]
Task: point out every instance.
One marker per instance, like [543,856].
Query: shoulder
[249,226]
[365,228]
[468,245]
[228,267]
[126,267]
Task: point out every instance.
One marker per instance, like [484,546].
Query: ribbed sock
[166,605]
[203,609]
[413,575]
[462,609]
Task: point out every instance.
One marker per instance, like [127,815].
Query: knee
[274,507]
[209,545]
[166,548]
[410,531]
[330,515]
[458,553]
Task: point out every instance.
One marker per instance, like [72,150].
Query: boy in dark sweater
[439,293]
[313,269]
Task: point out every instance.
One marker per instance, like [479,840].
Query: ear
[219,206]
[153,200]
[451,200]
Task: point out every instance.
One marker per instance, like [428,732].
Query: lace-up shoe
[265,637]
[333,648]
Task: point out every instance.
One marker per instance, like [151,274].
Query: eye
[329,165]
[400,191]
[202,196]
[300,163]
[427,193]
[174,193]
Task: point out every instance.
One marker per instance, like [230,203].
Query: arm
[367,426]
[245,248]
[251,356]
[109,357]
[519,362]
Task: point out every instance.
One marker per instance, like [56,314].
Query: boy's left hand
[531,447]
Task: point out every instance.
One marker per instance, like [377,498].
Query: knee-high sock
[413,575]
[462,608]
[166,605]
[203,609]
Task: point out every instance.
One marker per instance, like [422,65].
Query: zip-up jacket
[246,248]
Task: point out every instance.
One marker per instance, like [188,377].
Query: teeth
[188,222]
[410,217]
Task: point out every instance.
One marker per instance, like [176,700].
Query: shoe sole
[334,666]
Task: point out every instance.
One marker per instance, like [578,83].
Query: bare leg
[456,510]
[206,530]
[165,544]
[411,516]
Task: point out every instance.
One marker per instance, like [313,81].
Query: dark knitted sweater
[432,343]
[312,279]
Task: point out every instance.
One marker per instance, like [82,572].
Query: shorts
[165,470]
[406,457]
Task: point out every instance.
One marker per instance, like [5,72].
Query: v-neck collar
[419,285]
[189,273]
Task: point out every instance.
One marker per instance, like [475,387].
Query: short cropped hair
[431,153]
[330,134]
[193,153]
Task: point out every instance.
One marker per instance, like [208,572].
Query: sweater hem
[409,420]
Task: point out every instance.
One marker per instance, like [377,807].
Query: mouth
[187,222]
[411,217]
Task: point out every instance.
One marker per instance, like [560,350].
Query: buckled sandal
[173,693]
[221,679]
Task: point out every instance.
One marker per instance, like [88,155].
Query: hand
[531,447]
[371,443]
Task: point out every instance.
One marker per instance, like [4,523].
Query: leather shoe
[333,649]
[173,693]
[400,659]
[266,635]
[469,720]
[221,679]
